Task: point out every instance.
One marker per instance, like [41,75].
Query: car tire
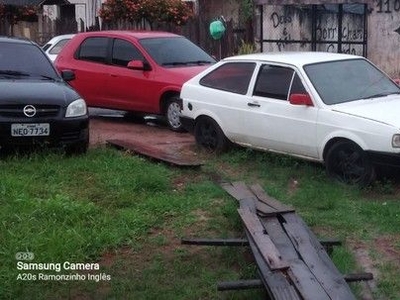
[172,114]
[348,163]
[209,135]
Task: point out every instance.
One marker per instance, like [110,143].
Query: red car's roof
[137,34]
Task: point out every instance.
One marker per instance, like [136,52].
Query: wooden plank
[261,195]
[155,153]
[267,248]
[238,190]
[275,283]
[240,285]
[305,281]
[215,242]
[316,258]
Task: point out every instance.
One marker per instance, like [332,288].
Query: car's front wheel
[209,135]
[172,113]
[348,163]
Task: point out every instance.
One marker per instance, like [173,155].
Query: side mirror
[138,65]
[300,99]
[68,75]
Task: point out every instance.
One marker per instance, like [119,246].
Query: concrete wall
[285,23]
[384,35]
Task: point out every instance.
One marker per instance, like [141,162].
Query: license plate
[34,129]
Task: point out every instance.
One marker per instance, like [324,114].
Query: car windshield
[175,52]
[24,61]
[349,80]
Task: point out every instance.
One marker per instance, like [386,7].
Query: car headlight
[396,141]
[76,109]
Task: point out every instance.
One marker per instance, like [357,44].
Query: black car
[37,106]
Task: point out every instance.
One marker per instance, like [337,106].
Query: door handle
[253,104]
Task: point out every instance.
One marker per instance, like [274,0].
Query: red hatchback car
[135,71]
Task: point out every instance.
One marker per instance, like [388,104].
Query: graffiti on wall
[295,28]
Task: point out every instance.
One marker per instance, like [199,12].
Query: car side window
[123,52]
[232,77]
[297,86]
[94,49]
[273,82]
[58,47]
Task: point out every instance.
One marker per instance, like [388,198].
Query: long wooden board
[155,153]
[257,232]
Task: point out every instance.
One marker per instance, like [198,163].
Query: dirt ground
[114,125]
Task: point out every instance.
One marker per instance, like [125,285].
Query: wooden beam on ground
[240,285]
[315,256]
[155,153]
[257,283]
[261,195]
[215,242]
[257,232]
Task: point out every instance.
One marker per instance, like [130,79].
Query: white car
[54,46]
[336,109]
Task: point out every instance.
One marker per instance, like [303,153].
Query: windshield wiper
[174,63]
[44,77]
[13,73]
[199,62]
[185,63]
[378,95]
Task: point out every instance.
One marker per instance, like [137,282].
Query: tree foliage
[19,13]
[170,11]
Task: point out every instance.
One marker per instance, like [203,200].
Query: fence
[197,30]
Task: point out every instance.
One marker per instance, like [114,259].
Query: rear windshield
[175,52]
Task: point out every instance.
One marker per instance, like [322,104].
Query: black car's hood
[36,91]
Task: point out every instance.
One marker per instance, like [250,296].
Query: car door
[274,123]
[225,90]
[126,88]
[91,70]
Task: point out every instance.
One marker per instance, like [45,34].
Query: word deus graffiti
[281,20]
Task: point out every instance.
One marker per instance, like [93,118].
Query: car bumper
[187,123]
[385,159]
[65,132]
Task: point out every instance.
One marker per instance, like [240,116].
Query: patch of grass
[129,214]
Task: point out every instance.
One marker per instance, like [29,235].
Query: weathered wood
[300,274]
[257,232]
[215,242]
[261,195]
[358,277]
[257,283]
[240,285]
[155,153]
[238,190]
[275,283]
[314,255]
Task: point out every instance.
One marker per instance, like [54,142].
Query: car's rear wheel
[209,135]
[172,114]
[348,163]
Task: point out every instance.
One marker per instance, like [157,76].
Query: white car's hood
[384,109]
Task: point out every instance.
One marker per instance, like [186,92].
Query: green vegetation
[128,215]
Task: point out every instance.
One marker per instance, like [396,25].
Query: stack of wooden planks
[291,261]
